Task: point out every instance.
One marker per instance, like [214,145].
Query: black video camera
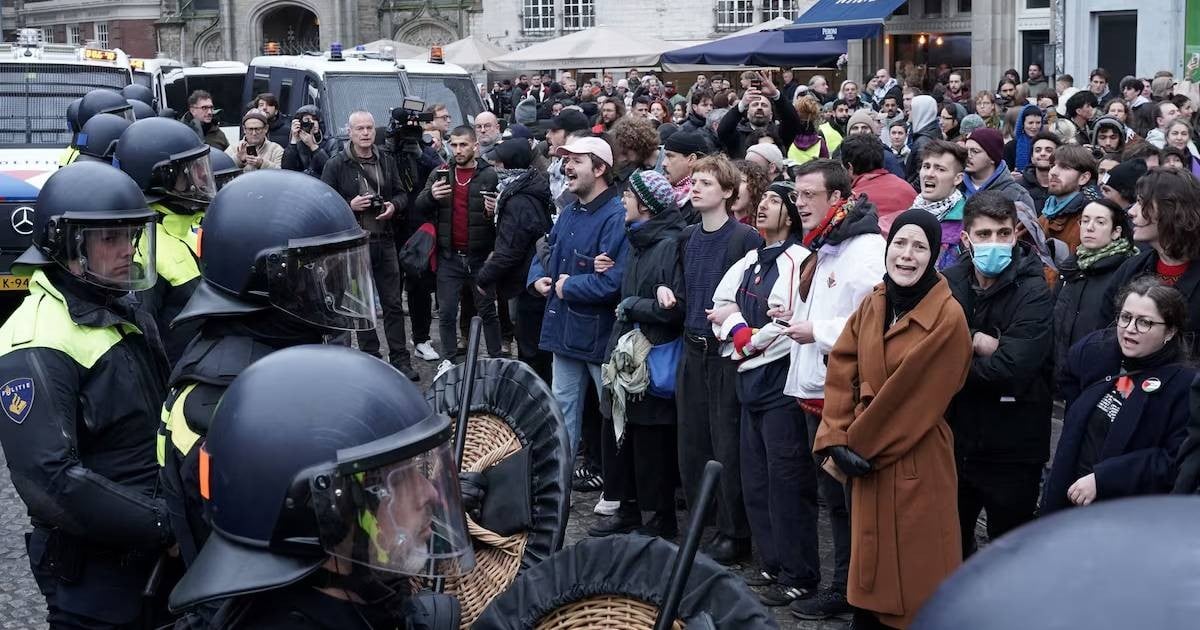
[376,206]
[410,115]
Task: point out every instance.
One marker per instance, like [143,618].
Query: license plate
[14,283]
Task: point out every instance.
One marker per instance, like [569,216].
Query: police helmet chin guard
[92,221]
[187,176]
[324,281]
[394,505]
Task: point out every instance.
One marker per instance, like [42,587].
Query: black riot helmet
[320,451]
[102,101]
[166,158]
[73,115]
[1128,563]
[92,220]
[140,109]
[223,167]
[137,92]
[97,140]
[284,240]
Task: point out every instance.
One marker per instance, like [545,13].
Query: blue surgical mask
[991,259]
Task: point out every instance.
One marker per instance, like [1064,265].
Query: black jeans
[530,310]
[420,290]
[389,284]
[779,486]
[456,272]
[708,417]
[834,496]
[1007,491]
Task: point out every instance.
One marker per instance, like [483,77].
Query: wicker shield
[619,582]
[512,408]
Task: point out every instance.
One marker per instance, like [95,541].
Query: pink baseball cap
[584,146]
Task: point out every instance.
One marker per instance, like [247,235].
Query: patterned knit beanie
[652,190]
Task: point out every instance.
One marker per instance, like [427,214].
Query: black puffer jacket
[350,177]
[1038,192]
[1002,413]
[735,132]
[522,217]
[481,231]
[653,261]
[1078,303]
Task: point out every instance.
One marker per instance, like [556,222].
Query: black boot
[663,525]
[627,519]
[727,550]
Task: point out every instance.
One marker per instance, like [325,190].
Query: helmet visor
[404,517]
[109,254]
[191,178]
[328,286]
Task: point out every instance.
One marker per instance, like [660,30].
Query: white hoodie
[768,343]
[845,274]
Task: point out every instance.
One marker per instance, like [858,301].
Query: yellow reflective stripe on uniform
[43,321]
[68,156]
[175,244]
[160,438]
[176,427]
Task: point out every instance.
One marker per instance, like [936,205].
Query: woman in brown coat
[900,359]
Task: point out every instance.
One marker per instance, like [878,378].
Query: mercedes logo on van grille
[22,220]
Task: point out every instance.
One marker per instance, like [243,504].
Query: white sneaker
[604,507]
[442,368]
[425,352]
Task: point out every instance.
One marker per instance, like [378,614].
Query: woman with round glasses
[1127,393]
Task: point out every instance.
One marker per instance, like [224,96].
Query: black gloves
[848,461]
[473,487]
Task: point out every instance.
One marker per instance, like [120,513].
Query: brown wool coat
[885,397]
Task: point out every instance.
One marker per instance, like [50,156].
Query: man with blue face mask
[1001,416]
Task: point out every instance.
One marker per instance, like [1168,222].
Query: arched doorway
[294,28]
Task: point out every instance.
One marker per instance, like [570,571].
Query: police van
[37,82]
[340,81]
[222,79]
[152,73]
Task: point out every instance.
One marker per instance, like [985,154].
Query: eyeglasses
[807,195]
[974,152]
[1140,324]
[254,129]
[442,117]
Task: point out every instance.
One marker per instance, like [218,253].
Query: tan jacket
[270,152]
[885,398]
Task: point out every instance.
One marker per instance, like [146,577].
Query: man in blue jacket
[581,304]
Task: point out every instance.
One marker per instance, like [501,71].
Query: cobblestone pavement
[21,605]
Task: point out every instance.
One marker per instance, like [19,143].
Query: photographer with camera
[255,151]
[308,150]
[368,180]
[411,146]
[466,236]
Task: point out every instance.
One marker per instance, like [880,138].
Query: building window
[734,14]
[772,9]
[964,6]
[48,34]
[73,34]
[578,14]
[538,16]
[933,8]
[1037,4]
[102,34]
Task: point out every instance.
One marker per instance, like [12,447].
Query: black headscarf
[903,299]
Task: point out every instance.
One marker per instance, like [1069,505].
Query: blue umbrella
[764,48]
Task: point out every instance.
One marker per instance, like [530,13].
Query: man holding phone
[754,113]
[255,151]
[466,234]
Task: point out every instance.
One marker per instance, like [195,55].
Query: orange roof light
[435,54]
[271,48]
[96,54]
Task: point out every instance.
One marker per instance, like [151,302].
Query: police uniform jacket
[177,260]
[80,386]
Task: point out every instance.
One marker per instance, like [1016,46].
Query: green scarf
[1085,257]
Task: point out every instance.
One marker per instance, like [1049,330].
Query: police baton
[150,592]
[687,553]
[466,393]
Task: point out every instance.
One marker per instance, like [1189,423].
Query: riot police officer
[329,479]
[97,141]
[259,293]
[138,92]
[82,380]
[223,167]
[140,109]
[80,111]
[171,165]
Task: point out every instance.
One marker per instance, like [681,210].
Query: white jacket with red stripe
[768,343]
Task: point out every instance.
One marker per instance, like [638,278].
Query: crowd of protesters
[867,298]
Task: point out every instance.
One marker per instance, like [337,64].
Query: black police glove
[848,461]
[473,487]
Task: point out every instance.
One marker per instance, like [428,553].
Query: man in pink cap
[581,303]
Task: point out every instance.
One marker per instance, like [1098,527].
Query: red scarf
[817,236]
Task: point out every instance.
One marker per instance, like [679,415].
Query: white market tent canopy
[403,51]
[596,47]
[471,53]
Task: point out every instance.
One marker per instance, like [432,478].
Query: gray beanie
[969,124]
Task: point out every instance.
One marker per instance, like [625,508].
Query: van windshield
[458,94]
[375,93]
[226,91]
